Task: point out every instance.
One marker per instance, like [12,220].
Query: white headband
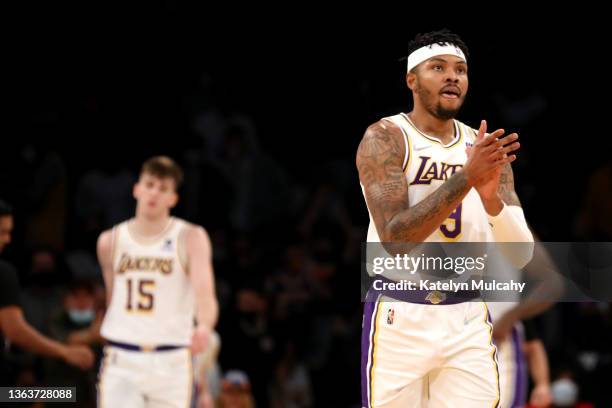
[433,50]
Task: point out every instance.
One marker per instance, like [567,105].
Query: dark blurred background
[265,118]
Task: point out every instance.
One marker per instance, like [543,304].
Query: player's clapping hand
[199,339]
[80,356]
[487,157]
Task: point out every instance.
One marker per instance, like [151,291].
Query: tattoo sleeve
[379,161]
[506,186]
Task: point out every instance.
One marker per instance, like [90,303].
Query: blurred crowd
[287,258]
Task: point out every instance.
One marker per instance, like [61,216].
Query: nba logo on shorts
[390,315]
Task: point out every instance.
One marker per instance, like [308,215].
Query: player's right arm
[379,161]
[104,250]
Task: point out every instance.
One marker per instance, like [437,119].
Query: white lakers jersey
[427,165]
[152,301]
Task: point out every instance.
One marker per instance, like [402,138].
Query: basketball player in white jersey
[429,178]
[158,272]
[520,351]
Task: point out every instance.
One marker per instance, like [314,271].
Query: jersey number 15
[145,298]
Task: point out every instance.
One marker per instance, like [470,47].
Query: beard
[435,107]
[442,113]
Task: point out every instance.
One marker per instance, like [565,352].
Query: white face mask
[81,316]
[564,392]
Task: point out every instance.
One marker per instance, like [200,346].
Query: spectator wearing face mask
[236,391]
[77,323]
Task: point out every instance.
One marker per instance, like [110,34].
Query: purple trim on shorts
[520,380]
[490,320]
[369,309]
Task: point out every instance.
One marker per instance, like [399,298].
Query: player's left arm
[546,287]
[508,223]
[200,268]
[505,190]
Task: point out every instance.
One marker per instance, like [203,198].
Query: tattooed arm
[379,161]
[499,191]
[506,187]
[506,217]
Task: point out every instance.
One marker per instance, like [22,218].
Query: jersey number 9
[451,228]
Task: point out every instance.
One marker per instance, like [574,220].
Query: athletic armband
[510,226]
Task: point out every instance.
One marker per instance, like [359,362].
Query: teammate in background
[521,354]
[429,178]
[157,271]
[14,327]
[520,350]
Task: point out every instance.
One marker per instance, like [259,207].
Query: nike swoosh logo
[418,149]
